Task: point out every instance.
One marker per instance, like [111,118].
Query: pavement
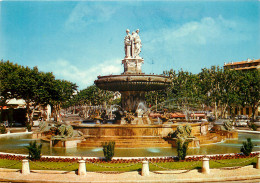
[243,174]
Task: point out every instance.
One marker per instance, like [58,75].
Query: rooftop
[243,62]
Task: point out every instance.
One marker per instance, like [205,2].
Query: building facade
[243,65]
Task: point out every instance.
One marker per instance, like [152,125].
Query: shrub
[3,129]
[34,151]
[182,148]
[29,127]
[253,126]
[247,147]
[108,150]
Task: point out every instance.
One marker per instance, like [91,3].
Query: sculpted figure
[132,44]
[137,42]
[188,130]
[228,125]
[128,43]
[182,132]
[62,130]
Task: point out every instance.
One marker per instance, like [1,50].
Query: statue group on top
[132,44]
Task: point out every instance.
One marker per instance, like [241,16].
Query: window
[247,111]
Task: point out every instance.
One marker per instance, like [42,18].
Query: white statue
[128,43]
[137,42]
[132,44]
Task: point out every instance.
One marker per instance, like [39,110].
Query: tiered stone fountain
[132,84]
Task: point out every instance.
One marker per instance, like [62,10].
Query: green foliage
[33,86]
[182,148]
[109,150]
[34,151]
[116,101]
[253,126]
[247,147]
[249,89]
[92,95]
[29,127]
[3,129]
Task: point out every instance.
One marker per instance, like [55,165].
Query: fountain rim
[133,82]
[134,75]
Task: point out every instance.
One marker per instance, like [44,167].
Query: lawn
[125,167]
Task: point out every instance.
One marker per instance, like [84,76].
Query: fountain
[133,83]
[137,128]
[134,127]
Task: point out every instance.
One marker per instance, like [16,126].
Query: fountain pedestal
[133,65]
[131,99]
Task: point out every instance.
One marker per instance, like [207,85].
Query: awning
[15,101]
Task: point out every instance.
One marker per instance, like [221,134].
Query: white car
[241,123]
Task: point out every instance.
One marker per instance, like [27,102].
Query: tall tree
[249,90]
[8,80]
[62,93]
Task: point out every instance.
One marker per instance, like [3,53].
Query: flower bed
[116,161]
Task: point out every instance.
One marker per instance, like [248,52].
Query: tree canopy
[33,86]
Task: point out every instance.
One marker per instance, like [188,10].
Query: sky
[80,40]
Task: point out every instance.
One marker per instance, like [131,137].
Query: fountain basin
[132,82]
[16,144]
[132,87]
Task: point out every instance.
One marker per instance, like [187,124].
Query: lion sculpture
[66,131]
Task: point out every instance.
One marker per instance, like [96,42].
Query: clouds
[85,14]
[82,76]
[205,31]
[198,40]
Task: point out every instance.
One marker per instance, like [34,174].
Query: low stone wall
[131,130]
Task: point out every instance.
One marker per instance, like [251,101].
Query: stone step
[126,142]
[130,145]
[125,137]
[122,140]
[85,143]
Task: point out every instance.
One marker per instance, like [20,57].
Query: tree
[229,87]
[210,86]
[63,91]
[8,81]
[153,98]
[33,86]
[185,91]
[249,90]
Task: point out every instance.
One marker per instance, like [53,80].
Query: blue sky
[80,40]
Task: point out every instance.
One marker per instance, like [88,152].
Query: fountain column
[131,99]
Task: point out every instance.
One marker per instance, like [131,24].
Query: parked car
[220,121]
[241,123]
[242,120]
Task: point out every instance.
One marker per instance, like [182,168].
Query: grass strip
[125,167]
